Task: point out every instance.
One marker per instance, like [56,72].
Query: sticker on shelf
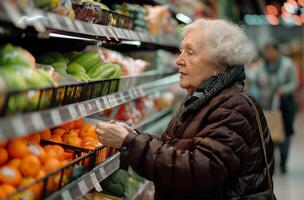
[79,26]
[96,30]
[37,121]
[90,107]
[66,195]
[18,126]
[95,182]
[72,112]
[82,110]
[102,172]
[54,21]
[56,117]
[98,104]
[112,33]
[83,187]
[69,23]
[102,29]
[106,102]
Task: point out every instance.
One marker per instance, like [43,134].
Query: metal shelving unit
[24,124]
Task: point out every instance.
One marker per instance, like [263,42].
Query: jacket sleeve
[212,159]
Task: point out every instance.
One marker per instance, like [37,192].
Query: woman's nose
[179,60]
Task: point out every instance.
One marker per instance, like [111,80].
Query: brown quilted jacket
[216,155]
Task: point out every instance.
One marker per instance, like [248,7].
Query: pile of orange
[24,160]
[74,133]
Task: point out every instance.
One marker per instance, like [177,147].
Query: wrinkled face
[271,54]
[194,66]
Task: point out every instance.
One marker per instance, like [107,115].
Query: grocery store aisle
[290,186]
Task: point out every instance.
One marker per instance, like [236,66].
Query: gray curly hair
[226,43]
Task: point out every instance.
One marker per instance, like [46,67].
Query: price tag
[112,33]
[54,21]
[66,195]
[106,102]
[96,30]
[18,126]
[82,110]
[37,121]
[98,104]
[69,23]
[95,182]
[73,112]
[102,29]
[56,117]
[112,100]
[121,33]
[103,172]
[83,187]
[90,107]
[79,26]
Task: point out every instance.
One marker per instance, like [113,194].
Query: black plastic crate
[50,97]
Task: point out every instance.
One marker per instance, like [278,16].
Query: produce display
[62,7]
[85,66]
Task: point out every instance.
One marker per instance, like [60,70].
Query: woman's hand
[111,134]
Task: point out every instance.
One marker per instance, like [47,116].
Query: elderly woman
[212,148]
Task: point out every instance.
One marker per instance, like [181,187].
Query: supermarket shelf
[24,124]
[91,180]
[53,25]
[160,126]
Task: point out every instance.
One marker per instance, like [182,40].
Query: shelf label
[56,117]
[82,109]
[54,21]
[83,187]
[90,107]
[73,112]
[66,195]
[106,102]
[96,30]
[37,121]
[95,182]
[102,29]
[112,33]
[69,23]
[18,126]
[103,172]
[79,26]
[98,104]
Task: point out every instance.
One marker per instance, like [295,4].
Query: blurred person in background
[212,149]
[276,76]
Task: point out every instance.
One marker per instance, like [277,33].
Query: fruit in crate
[18,148]
[30,166]
[6,189]
[87,60]
[10,175]
[16,56]
[3,156]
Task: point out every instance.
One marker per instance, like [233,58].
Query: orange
[59,132]
[56,138]
[17,148]
[38,151]
[6,189]
[3,143]
[30,166]
[14,162]
[76,131]
[10,175]
[88,130]
[40,174]
[3,156]
[46,134]
[73,140]
[67,126]
[35,189]
[34,138]
[71,133]
[51,164]
[59,151]
[79,123]
[50,152]
[53,182]
[89,143]
[68,155]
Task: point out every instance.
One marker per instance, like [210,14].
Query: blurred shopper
[212,149]
[276,77]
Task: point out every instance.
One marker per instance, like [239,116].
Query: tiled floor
[291,185]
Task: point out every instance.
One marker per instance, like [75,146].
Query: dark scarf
[209,89]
